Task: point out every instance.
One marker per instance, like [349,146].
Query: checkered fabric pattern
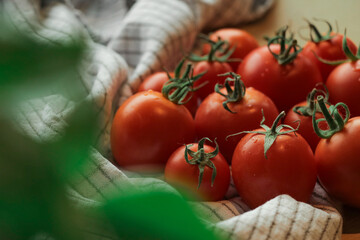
[129,40]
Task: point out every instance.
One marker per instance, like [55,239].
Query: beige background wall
[292,12]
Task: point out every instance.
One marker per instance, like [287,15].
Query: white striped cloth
[129,40]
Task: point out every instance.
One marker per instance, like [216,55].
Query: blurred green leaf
[71,151]
[29,68]
[32,197]
[33,175]
[155,215]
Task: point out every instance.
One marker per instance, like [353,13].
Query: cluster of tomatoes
[223,110]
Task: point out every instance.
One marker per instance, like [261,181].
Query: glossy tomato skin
[344,86]
[306,129]
[157,80]
[212,69]
[212,120]
[338,163]
[289,169]
[147,128]
[185,177]
[330,50]
[286,84]
[243,41]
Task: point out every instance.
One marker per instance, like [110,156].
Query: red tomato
[286,84]
[185,176]
[288,169]
[157,80]
[212,70]
[338,163]
[344,85]
[306,128]
[330,50]
[147,128]
[240,39]
[213,120]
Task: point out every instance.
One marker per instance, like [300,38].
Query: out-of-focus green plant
[33,175]
[154,215]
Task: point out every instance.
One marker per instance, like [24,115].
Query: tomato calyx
[289,48]
[271,133]
[332,116]
[176,89]
[315,35]
[311,106]
[350,56]
[221,46]
[233,95]
[202,159]
[279,33]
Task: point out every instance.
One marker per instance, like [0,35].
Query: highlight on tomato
[280,71]
[326,46]
[337,154]
[147,128]
[199,171]
[242,42]
[272,161]
[212,65]
[232,109]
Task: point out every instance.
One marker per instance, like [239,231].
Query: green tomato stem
[202,159]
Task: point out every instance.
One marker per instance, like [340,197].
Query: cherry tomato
[338,163]
[337,154]
[344,85]
[306,129]
[211,76]
[286,84]
[240,39]
[157,80]
[330,50]
[147,128]
[288,169]
[213,120]
[185,176]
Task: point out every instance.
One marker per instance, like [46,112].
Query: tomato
[338,163]
[288,169]
[303,113]
[211,77]
[286,84]
[240,39]
[306,128]
[337,154]
[327,46]
[330,50]
[185,176]
[214,121]
[156,82]
[147,128]
[344,85]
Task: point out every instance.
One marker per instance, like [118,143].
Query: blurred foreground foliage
[34,175]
